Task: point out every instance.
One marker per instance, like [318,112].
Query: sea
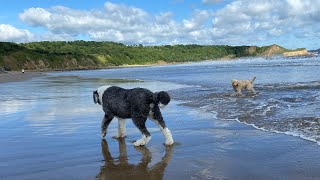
[287,99]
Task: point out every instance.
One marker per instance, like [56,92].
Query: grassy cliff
[63,55]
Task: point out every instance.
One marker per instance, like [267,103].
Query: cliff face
[303,52]
[44,56]
[44,64]
[272,50]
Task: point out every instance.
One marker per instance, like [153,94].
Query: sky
[288,23]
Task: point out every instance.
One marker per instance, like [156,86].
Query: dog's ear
[234,82]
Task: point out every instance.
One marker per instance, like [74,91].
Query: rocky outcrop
[303,52]
[272,50]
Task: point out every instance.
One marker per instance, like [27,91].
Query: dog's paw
[143,141]
[103,134]
[139,142]
[169,142]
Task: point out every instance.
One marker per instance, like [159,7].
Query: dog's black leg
[105,123]
[140,122]
[105,152]
[156,116]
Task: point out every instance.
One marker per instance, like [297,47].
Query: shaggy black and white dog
[137,104]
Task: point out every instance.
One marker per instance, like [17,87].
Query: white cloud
[199,18]
[238,22]
[35,16]
[116,22]
[10,33]
[262,19]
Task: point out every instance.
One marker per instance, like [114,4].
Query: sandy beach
[50,127]
[13,76]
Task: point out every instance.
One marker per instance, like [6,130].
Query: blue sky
[289,23]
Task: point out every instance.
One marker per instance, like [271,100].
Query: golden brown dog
[238,85]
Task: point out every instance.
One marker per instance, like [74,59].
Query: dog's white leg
[167,134]
[121,128]
[143,141]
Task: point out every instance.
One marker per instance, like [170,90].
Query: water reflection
[121,168]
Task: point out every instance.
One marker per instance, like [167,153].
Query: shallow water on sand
[288,95]
[50,128]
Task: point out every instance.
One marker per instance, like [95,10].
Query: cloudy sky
[289,23]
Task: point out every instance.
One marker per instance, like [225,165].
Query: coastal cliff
[302,52]
[76,55]
[274,49]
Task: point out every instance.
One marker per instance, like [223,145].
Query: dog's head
[96,97]
[163,98]
[234,82]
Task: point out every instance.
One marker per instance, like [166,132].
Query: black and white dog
[138,104]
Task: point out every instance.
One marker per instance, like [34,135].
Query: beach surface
[50,127]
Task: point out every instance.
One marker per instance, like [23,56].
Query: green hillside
[63,55]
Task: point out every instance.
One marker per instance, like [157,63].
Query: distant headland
[77,55]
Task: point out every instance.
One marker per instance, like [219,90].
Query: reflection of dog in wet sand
[137,104]
[238,85]
[120,168]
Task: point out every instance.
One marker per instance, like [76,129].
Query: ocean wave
[291,86]
[275,111]
[311,138]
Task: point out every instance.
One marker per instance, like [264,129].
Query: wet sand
[13,76]
[50,129]
[204,149]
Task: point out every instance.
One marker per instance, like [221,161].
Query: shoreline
[15,76]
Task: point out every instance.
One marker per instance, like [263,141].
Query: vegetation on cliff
[62,55]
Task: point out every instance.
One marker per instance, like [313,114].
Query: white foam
[295,134]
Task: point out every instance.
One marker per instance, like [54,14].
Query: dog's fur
[137,104]
[238,85]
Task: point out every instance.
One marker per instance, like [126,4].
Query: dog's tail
[96,97]
[161,98]
[254,78]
